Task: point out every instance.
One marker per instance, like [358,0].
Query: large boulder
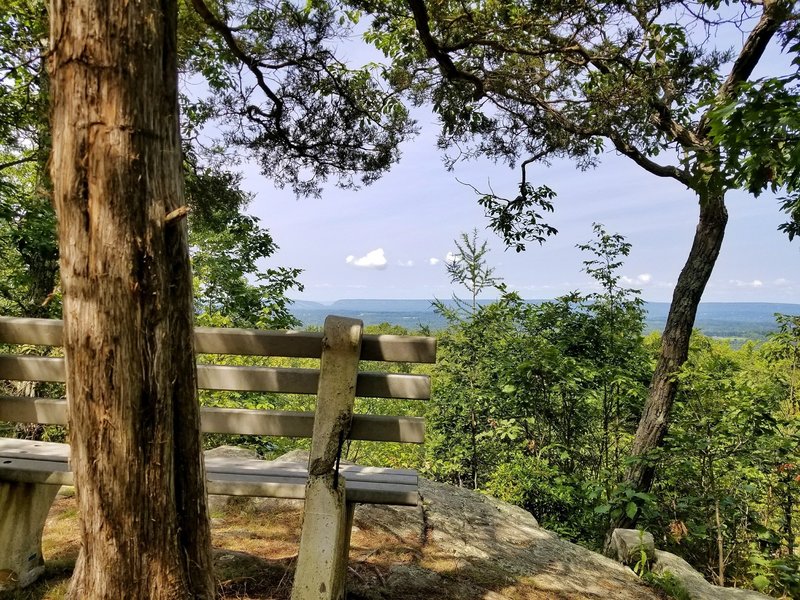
[461,544]
[695,584]
[631,545]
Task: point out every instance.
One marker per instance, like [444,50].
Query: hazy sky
[390,240]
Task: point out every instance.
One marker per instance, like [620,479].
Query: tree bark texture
[131,380]
[674,347]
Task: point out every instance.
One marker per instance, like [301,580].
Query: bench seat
[27,461]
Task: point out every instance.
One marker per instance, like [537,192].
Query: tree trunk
[131,380]
[674,347]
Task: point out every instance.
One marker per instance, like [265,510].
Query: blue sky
[390,240]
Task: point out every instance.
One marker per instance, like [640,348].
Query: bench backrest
[245,342]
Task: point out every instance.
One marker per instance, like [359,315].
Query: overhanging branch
[19,161]
[774,15]
[251,63]
[435,51]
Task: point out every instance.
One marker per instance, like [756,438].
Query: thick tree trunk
[674,347]
[131,380]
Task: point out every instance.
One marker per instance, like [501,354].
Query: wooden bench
[32,471]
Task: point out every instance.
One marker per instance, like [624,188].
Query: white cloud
[372,260]
[756,283]
[405,263]
[452,258]
[781,281]
[641,279]
[433,261]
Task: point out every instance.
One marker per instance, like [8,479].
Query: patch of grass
[667,583]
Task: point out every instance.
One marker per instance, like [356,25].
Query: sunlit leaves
[760,131]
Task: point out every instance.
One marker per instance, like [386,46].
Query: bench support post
[22,517]
[324,542]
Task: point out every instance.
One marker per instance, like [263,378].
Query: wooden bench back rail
[290,344]
[247,342]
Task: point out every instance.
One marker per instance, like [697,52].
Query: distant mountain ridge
[751,320]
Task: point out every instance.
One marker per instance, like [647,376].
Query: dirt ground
[254,553]
[460,547]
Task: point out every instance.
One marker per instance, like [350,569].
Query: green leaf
[603,509]
[760,582]
[631,509]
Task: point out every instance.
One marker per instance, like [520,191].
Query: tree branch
[622,146]
[434,50]
[252,64]
[775,13]
[647,164]
[19,161]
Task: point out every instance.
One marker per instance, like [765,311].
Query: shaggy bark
[131,381]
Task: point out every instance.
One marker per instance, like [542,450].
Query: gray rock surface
[492,550]
[629,544]
[461,545]
[695,584]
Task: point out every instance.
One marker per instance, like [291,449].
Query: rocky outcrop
[694,584]
[462,545]
[458,544]
[475,546]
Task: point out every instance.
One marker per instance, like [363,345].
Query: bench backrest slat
[374,428]
[215,343]
[238,379]
[249,342]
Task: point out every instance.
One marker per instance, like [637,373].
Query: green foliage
[536,404]
[667,583]
[519,220]
[759,129]
[528,83]
[278,92]
[300,111]
[728,488]
[469,268]
[28,253]
[228,248]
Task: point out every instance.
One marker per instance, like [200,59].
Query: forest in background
[738,321]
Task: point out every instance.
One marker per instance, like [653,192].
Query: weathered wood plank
[25,409]
[357,491]
[19,330]
[351,472]
[57,452]
[208,340]
[228,484]
[32,368]
[241,379]
[257,379]
[393,385]
[374,428]
[399,348]
[47,463]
